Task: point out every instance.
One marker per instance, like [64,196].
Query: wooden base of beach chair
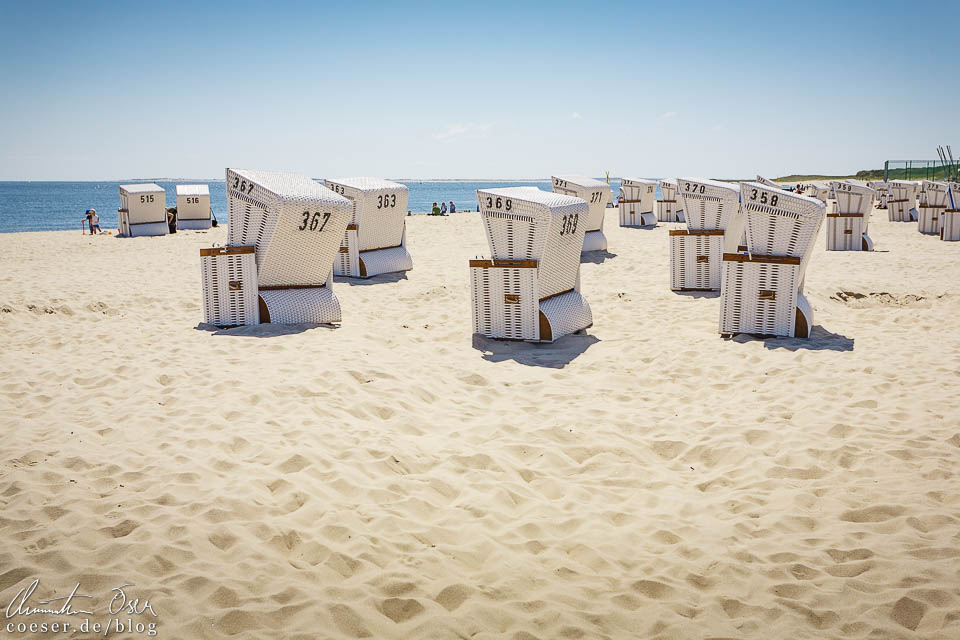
[229,286]
[507,304]
[950,225]
[298,305]
[193,225]
[695,260]
[760,296]
[901,211]
[631,216]
[928,220]
[845,233]
[594,241]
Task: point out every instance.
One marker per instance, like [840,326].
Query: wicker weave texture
[768,183]
[950,226]
[230,289]
[348,256]
[928,219]
[667,211]
[935,194]
[953,191]
[780,223]
[695,262]
[527,223]
[594,241]
[759,298]
[901,210]
[380,209]
[296,224]
[566,314]
[505,302]
[316,305]
[854,199]
[709,204]
[595,192]
[639,191]
[632,215]
[392,260]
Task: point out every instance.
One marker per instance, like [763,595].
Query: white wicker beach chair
[762,290]
[230,286]
[902,201]
[818,190]
[883,191]
[668,207]
[529,289]
[193,206]
[768,183]
[143,210]
[950,220]
[636,200]
[848,223]
[597,194]
[934,200]
[714,227]
[297,226]
[376,238]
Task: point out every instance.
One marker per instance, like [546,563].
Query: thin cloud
[576,115]
[668,115]
[470,130]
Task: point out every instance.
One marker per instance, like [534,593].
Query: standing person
[93,221]
[453,207]
[436,210]
[443,208]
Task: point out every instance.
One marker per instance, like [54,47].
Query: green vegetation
[915,173]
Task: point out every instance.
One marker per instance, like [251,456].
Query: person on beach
[436,210]
[93,221]
[171,220]
[443,208]
[453,207]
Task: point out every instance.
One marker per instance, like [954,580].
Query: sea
[59,206]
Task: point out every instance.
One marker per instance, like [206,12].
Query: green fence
[920,170]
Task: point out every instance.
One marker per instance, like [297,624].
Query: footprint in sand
[878,513]
[453,596]
[401,609]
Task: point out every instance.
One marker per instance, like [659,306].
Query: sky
[107,91]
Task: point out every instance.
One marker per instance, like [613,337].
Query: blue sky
[495,89]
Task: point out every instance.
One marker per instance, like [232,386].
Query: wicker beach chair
[193,206]
[714,227]
[768,183]
[376,238]
[230,286]
[668,207]
[950,220]
[883,191]
[847,224]
[818,190]
[902,201]
[636,200]
[597,194]
[762,290]
[934,201]
[142,210]
[529,287]
[296,226]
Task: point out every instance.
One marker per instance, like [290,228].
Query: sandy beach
[398,478]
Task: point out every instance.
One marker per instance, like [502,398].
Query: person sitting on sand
[93,221]
[436,210]
[453,207]
[443,208]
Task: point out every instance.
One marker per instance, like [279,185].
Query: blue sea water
[55,206]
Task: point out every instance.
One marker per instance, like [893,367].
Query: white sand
[390,479]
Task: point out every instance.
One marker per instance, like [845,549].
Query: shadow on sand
[266,330]
[820,340]
[380,279]
[596,257]
[698,294]
[554,355]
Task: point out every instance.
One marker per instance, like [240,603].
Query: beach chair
[668,206]
[762,290]
[636,201]
[714,227]
[296,226]
[529,287]
[847,224]
[230,286]
[934,200]
[597,194]
[950,220]
[883,190]
[142,210]
[193,206]
[768,183]
[818,190]
[902,201]
[375,241]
